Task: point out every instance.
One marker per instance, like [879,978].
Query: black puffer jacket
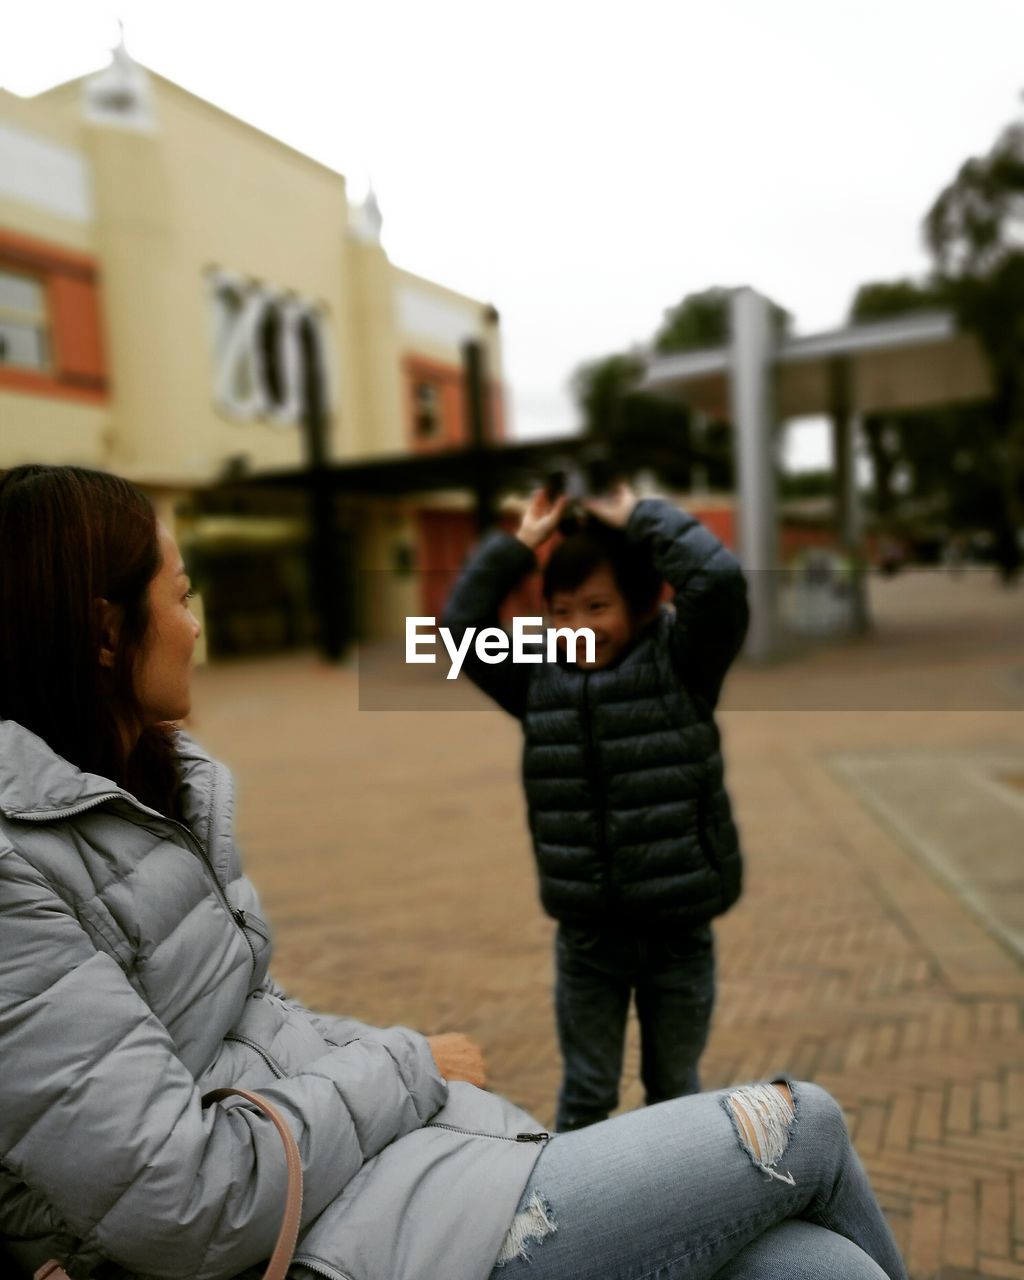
[622,767]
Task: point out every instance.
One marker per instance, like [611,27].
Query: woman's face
[163,669]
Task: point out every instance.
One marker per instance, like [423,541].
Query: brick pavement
[392,854]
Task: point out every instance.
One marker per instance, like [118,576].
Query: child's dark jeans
[671,974]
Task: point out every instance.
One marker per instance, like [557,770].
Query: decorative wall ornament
[261,339]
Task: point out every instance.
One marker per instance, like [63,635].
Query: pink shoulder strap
[281,1258]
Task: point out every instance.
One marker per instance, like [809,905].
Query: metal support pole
[847,505]
[753,420]
[324,568]
[698,462]
[474,369]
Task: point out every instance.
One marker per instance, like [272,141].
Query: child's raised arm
[491,573]
[710,589]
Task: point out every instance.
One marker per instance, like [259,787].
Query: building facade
[170,281]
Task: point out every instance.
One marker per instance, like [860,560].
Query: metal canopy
[910,362]
[757,382]
[455,468]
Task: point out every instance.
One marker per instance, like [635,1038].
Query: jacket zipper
[595,781]
[479,1133]
[236,914]
[321,1268]
[53,815]
[251,1044]
[56,815]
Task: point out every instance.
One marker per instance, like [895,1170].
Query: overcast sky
[584,165]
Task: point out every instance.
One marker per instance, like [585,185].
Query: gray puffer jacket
[631,821]
[133,979]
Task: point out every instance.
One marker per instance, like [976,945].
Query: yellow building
[171,279]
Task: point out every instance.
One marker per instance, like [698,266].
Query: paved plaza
[878,948]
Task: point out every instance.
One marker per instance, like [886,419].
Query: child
[632,830]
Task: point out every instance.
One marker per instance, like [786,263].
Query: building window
[435,404]
[24,323]
[51,338]
[426,410]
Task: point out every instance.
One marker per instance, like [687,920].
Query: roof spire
[121,94]
[366,219]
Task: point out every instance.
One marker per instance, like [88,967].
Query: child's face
[599,604]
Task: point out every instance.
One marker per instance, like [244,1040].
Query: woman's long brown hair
[70,538]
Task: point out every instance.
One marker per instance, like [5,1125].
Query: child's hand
[616,509]
[458,1057]
[540,519]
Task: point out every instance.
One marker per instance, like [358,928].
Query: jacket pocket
[578,938]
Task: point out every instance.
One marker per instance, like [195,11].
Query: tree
[601,389]
[882,299]
[974,232]
[898,444]
[644,430]
[702,320]
[807,484]
[944,457]
[965,463]
[632,430]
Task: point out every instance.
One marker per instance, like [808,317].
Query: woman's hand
[540,519]
[458,1058]
[616,508]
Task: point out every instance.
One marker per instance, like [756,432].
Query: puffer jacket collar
[37,784]
[208,803]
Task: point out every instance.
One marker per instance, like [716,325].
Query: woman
[133,981]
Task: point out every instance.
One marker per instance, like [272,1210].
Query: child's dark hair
[589,544]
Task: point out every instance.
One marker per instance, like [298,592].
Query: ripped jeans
[727,1184]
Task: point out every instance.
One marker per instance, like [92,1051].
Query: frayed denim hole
[794,1093]
[770,1118]
[534,1222]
